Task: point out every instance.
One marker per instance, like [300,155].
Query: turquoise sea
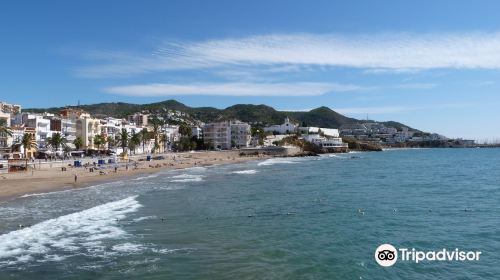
[286,218]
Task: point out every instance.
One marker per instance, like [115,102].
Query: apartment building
[240,134]
[139,119]
[226,135]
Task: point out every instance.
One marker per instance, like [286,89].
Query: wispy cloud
[399,52]
[232,89]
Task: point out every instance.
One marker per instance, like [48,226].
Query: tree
[144,138]
[78,142]
[57,140]
[99,140]
[28,143]
[164,141]
[259,133]
[124,137]
[157,124]
[185,143]
[4,129]
[111,142]
[197,143]
[135,140]
[67,149]
[185,130]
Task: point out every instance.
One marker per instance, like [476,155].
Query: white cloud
[250,88]
[399,52]
[232,89]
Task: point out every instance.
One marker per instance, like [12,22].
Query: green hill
[254,114]
[321,117]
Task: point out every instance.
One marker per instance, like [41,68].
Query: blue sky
[433,65]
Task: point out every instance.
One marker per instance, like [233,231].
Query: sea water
[283,218]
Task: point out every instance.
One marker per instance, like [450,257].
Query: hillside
[254,114]
[321,117]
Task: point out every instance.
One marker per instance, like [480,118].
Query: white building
[42,129]
[17,135]
[286,128]
[172,134]
[68,129]
[111,127]
[404,135]
[139,119]
[308,129]
[353,129]
[240,134]
[325,142]
[196,132]
[5,139]
[329,132]
[226,135]
[87,129]
[7,112]
[217,135]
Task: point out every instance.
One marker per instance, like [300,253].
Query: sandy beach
[49,177]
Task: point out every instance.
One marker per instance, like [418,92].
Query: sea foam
[187,178]
[43,194]
[273,161]
[70,233]
[251,171]
[145,177]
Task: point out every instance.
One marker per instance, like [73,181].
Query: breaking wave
[78,232]
[273,161]
[187,178]
[251,171]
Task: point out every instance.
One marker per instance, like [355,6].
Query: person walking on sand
[76,178]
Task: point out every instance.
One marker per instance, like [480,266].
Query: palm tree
[57,140]
[157,124]
[144,138]
[4,129]
[28,143]
[164,141]
[135,140]
[111,142]
[78,142]
[99,140]
[124,137]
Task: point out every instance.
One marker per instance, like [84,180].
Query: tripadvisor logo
[387,255]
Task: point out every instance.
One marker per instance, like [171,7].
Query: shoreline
[52,179]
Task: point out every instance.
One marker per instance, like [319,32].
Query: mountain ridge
[260,115]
